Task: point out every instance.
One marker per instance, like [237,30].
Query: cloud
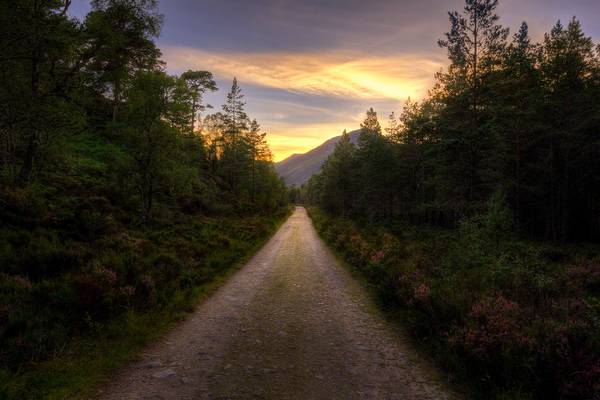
[341,74]
[302,98]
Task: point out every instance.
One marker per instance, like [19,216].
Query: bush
[514,323]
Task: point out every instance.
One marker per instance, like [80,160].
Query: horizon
[306,86]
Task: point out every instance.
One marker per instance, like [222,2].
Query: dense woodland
[118,195]
[509,119]
[121,198]
[103,76]
[475,213]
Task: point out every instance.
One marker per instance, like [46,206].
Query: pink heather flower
[422,293]
[378,256]
[23,282]
[106,275]
[127,291]
[147,282]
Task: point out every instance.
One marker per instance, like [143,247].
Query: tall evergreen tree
[236,118]
[259,152]
[371,123]
[475,45]
[199,82]
[339,178]
[376,165]
[570,73]
[235,150]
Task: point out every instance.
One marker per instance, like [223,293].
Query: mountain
[297,169]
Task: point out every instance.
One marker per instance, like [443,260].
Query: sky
[310,69]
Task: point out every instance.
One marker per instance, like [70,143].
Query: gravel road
[291,324]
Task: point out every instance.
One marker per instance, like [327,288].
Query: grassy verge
[510,319]
[126,289]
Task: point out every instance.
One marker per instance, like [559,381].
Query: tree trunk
[193,119]
[116,101]
[33,134]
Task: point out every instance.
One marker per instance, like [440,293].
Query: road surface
[291,324]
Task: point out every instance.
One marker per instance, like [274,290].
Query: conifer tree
[339,177]
[474,43]
[259,152]
[236,119]
[199,82]
[371,123]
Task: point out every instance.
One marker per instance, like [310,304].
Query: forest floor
[291,324]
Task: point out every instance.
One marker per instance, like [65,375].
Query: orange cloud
[339,74]
[365,79]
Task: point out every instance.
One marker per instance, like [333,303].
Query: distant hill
[298,168]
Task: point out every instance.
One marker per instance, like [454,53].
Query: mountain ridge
[297,169]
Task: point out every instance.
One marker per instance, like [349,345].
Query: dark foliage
[503,152]
[116,197]
[508,117]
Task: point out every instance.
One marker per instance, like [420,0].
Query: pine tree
[259,152]
[516,104]
[570,71]
[233,110]
[377,166]
[474,43]
[393,129]
[199,82]
[339,178]
[236,153]
[371,123]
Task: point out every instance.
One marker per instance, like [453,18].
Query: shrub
[517,324]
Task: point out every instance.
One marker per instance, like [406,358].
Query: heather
[85,282]
[477,208]
[511,319]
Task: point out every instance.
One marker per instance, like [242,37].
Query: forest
[120,200]
[472,215]
[476,210]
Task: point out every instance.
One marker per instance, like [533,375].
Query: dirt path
[292,324]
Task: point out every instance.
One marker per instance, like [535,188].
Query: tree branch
[66,7]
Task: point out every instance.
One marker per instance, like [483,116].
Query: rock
[164,374]
[186,381]
[153,364]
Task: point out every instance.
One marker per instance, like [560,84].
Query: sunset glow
[391,79]
[340,75]
[306,75]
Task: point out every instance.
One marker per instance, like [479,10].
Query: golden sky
[311,68]
[341,76]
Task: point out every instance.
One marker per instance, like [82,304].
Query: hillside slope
[298,168]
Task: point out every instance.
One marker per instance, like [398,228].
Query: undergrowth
[511,319]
